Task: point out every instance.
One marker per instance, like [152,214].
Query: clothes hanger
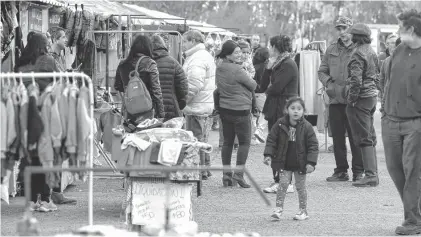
[33,80]
[74,79]
[21,79]
[54,79]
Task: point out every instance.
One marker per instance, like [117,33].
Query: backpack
[136,96]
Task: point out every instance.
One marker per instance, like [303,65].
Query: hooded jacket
[174,84]
[306,143]
[200,68]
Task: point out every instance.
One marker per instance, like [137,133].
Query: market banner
[148,203]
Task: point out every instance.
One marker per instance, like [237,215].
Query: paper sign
[149,200]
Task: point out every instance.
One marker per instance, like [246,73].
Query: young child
[292,148]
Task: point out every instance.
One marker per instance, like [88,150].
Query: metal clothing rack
[107,86]
[167,170]
[83,76]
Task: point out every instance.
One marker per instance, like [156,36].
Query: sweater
[235,86]
[199,67]
[84,123]
[71,137]
[402,90]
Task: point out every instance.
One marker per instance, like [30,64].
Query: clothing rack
[83,76]
[107,78]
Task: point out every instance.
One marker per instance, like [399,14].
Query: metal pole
[107,60]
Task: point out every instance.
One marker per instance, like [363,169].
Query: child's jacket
[306,143]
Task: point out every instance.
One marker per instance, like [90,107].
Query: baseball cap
[343,21]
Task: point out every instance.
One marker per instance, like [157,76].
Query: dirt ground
[334,208]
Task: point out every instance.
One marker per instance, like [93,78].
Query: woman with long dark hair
[281,73]
[235,89]
[361,96]
[148,72]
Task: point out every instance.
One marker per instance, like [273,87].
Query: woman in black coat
[174,84]
[282,74]
[148,72]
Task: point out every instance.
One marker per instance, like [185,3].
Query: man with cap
[361,97]
[333,74]
[401,125]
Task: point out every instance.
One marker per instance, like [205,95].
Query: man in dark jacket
[401,125]
[333,74]
[174,85]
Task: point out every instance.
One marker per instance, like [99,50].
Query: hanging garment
[88,21]
[45,146]
[86,55]
[64,110]
[83,124]
[98,27]
[11,129]
[23,119]
[35,124]
[71,137]
[108,121]
[76,29]
[68,24]
[3,129]
[14,148]
[55,118]
[19,42]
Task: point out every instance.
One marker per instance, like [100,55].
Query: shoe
[227,179]
[43,207]
[205,176]
[254,142]
[276,215]
[50,206]
[273,188]
[330,148]
[215,127]
[300,216]
[239,177]
[59,198]
[33,206]
[408,230]
[367,181]
[356,177]
[259,136]
[290,188]
[338,177]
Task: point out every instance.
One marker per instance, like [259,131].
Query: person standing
[333,74]
[281,73]
[235,88]
[200,68]
[361,101]
[401,125]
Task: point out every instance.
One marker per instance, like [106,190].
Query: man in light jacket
[333,74]
[199,67]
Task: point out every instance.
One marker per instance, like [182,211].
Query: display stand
[82,76]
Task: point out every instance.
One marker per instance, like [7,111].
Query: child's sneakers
[277,213]
[300,216]
[290,188]
[273,188]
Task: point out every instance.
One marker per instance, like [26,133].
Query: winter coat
[259,62]
[363,70]
[306,143]
[333,71]
[200,68]
[283,78]
[174,84]
[148,72]
[235,86]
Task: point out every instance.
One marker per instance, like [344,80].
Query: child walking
[292,148]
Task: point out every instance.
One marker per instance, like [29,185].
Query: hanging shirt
[83,124]
[3,128]
[71,137]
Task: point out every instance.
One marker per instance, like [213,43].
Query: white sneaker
[302,215]
[33,206]
[290,188]
[273,188]
[50,205]
[43,207]
[277,213]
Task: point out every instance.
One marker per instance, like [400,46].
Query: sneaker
[290,188]
[356,177]
[277,213]
[33,206]
[300,216]
[50,206]
[273,188]
[408,230]
[43,207]
[338,177]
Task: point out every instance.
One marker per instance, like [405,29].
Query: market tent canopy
[104,7]
[208,28]
[157,15]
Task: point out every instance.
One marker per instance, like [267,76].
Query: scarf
[281,58]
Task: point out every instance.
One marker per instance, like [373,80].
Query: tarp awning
[53,3]
[104,7]
[157,15]
[208,28]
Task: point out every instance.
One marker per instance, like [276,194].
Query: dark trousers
[402,148]
[240,126]
[39,184]
[361,120]
[339,125]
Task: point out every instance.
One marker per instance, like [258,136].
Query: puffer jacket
[333,71]
[148,72]
[306,143]
[363,70]
[200,68]
[174,85]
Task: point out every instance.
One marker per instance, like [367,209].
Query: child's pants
[300,184]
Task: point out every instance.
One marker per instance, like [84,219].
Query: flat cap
[360,29]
